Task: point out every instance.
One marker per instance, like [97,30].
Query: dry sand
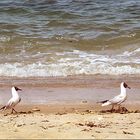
[69,122]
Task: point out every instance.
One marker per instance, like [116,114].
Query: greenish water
[69,37]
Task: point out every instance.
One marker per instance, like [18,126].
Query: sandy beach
[69,122]
[53,108]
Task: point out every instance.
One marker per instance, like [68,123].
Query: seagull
[15,99]
[117,100]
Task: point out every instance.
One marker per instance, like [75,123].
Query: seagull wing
[116,99]
[9,104]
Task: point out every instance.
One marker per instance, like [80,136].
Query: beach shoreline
[64,58]
[96,81]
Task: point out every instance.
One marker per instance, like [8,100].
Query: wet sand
[96,81]
[71,89]
[65,107]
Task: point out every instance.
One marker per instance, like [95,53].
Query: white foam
[4,38]
[74,63]
[65,69]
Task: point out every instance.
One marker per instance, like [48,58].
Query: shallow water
[69,37]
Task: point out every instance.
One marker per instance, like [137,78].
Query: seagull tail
[102,101]
[3,108]
[106,103]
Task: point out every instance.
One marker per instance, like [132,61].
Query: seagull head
[16,88]
[125,85]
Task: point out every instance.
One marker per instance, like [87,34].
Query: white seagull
[15,99]
[117,100]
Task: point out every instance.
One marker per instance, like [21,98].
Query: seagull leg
[119,107]
[112,108]
[13,110]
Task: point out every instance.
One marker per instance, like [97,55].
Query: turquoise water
[69,37]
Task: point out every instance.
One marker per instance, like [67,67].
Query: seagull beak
[129,87]
[19,89]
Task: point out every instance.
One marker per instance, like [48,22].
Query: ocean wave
[34,70]
[75,63]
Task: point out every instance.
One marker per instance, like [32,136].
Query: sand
[69,122]
[65,108]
